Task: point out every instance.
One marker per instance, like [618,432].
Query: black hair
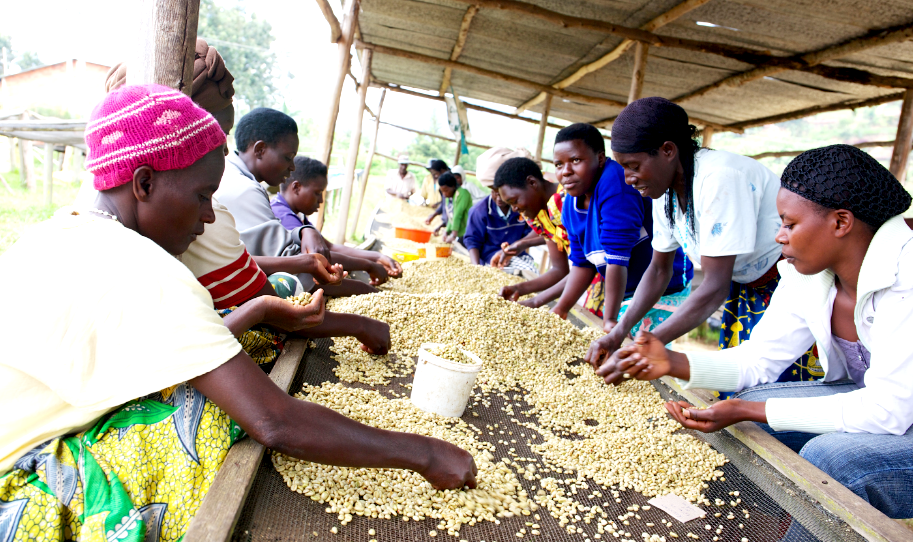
[263,124]
[587,133]
[439,165]
[306,171]
[688,146]
[515,171]
[447,179]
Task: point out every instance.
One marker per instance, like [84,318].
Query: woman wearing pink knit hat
[80,456]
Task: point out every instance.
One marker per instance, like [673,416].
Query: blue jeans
[877,468]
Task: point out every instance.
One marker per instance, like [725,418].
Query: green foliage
[25,60]
[244,42]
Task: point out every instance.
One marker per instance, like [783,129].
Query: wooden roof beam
[418,57]
[458,46]
[805,61]
[618,51]
[809,111]
[335,28]
[474,107]
[783,154]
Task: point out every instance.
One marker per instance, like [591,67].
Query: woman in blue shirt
[609,225]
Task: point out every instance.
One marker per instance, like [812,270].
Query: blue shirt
[617,229]
[488,228]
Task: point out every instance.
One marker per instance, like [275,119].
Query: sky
[302,47]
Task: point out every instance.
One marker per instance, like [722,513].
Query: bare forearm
[651,288]
[474,256]
[616,279]
[578,280]
[280,264]
[352,263]
[335,324]
[543,282]
[699,306]
[244,317]
[369,255]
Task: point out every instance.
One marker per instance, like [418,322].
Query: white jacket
[800,315]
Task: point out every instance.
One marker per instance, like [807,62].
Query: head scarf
[212,82]
[645,124]
[845,177]
[146,125]
[488,162]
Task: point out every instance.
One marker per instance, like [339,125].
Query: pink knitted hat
[146,125]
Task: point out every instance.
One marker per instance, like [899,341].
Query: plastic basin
[419,236]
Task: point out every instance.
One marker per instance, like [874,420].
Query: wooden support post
[165,45]
[707,136]
[335,29]
[459,153]
[367,173]
[48,173]
[329,129]
[904,138]
[12,144]
[543,123]
[351,162]
[458,46]
[641,50]
[26,164]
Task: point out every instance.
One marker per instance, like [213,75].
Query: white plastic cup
[442,386]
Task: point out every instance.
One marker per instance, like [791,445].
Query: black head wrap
[644,125]
[845,177]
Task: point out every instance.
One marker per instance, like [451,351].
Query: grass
[20,207]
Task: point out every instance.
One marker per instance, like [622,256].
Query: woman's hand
[645,359]
[393,268]
[511,249]
[289,317]
[720,415]
[602,348]
[428,220]
[322,271]
[450,467]
[501,259]
[378,274]
[560,312]
[509,292]
[374,336]
[312,242]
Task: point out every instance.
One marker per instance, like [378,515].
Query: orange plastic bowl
[419,236]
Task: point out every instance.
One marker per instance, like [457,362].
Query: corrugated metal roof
[537,50]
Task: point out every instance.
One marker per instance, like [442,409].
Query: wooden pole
[23,170]
[436,136]
[402,53]
[26,164]
[459,153]
[354,145]
[783,154]
[809,111]
[904,138]
[367,173]
[641,50]
[165,45]
[335,29]
[48,173]
[618,50]
[458,46]
[543,123]
[707,137]
[329,129]
[468,105]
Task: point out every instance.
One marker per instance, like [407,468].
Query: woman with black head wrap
[719,208]
[848,286]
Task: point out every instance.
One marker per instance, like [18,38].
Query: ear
[144,178]
[259,149]
[844,221]
[602,159]
[669,150]
[532,181]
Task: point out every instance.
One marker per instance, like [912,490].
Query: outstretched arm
[315,433]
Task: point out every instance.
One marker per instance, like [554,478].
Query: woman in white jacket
[847,285]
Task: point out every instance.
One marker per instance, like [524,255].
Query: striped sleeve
[235,283]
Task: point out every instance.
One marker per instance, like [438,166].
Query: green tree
[25,60]
[244,42]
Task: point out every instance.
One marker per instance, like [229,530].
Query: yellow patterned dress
[138,474]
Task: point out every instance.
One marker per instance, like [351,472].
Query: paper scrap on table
[677,507]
